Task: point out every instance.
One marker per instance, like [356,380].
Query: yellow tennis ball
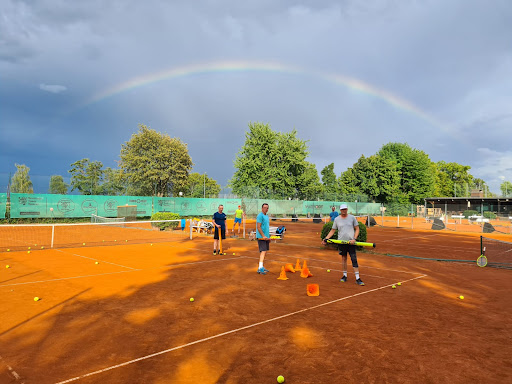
[29,248]
[42,247]
[83,243]
[328,270]
[280,379]
[7,266]
[96,263]
[191,299]
[36,298]
[28,251]
[393,286]
[8,250]
[461,297]
[233,253]
[398,284]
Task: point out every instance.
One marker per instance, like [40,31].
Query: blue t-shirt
[265,225]
[333,214]
[220,219]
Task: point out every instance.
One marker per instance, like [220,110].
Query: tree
[417,172]
[379,178]
[329,181]
[271,164]
[506,189]
[308,183]
[114,182]
[20,182]
[199,185]
[57,185]
[451,179]
[86,177]
[348,183]
[155,163]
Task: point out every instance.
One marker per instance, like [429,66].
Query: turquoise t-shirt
[265,225]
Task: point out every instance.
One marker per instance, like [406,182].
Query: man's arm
[356,233]
[331,232]
[258,228]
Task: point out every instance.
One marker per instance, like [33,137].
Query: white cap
[343,206]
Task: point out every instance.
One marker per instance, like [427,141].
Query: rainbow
[253,66]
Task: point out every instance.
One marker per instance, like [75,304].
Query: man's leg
[344,267]
[263,247]
[355,265]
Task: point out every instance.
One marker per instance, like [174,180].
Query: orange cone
[313,290]
[305,271]
[297,265]
[282,275]
[289,268]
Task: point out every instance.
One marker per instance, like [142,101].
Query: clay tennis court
[128,319]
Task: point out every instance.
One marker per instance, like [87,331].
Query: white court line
[227,333]
[113,273]
[91,258]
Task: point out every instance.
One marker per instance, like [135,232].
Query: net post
[190,227]
[243,223]
[53,235]
[398,221]
[481,245]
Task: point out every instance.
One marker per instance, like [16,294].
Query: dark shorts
[263,245]
[343,249]
[222,232]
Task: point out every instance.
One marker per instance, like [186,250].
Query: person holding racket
[263,236]
[348,229]
[219,222]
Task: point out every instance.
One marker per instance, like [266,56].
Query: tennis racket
[481,261]
[359,243]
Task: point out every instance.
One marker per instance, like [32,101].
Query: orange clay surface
[129,318]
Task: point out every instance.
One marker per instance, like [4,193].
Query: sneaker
[262,271]
[359,282]
[343,279]
[214,253]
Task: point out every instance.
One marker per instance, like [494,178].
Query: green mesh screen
[188,206]
[29,205]
[3,203]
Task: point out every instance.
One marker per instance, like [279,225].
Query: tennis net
[101,219]
[497,252]
[15,237]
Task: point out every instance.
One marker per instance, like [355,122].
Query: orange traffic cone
[289,268]
[282,275]
[305,271]
[297,265]
[313,290]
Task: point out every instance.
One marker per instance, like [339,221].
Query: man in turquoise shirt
[263,236]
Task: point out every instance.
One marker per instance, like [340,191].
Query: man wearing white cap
[348,229]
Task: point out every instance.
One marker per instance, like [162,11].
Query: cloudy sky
[77,77]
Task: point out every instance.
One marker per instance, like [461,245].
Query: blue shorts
[238,220]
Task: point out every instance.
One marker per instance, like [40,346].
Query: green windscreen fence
[29,205]
[195,206]
[3,204]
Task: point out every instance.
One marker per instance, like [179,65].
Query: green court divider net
[3,205]
[29,205]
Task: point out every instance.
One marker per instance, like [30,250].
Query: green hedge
[489,215]
[363,234]
[165,216]
[469,212]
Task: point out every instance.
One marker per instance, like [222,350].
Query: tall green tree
[506,188]
[154,163]
[114,182]
[348,184]
[272,164]
[379,178]
[308,183]
[329,182]
[86,177]
[417,171]
[20,182]
[451,179]
[57,185]
[199,185]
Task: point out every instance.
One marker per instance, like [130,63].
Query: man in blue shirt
[219,222]
[263,236]
[333,214]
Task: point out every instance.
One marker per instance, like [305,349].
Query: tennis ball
[328,270]
[36,298]
[96,263]
[393,286]
[42,247]
[398,284]
[461,297]
[7,266]
[233,253]
[83,243]
[8,250]
[280,379]
[28,251]
[126,240]
[191,299]
[29,248]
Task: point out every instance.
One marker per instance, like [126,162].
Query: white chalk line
[227,333]
[92,258]
[113,273]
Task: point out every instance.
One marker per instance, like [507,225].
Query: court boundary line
[91,258]
[228,333]
[113,273]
